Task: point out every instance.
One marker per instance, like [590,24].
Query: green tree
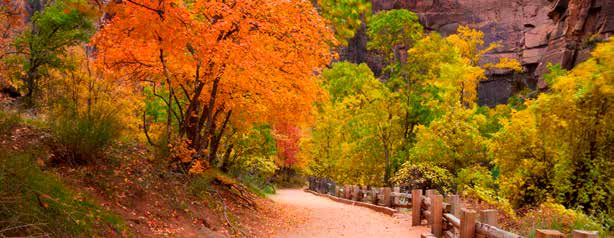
[43,46]
[450,130]
[375,124]
[358,130]
[391,31]
[414,91]
[344,79]
[250,152]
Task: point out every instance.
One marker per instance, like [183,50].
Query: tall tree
[221,62]
[54,27]
[392,32]
[445,72]
[358,131]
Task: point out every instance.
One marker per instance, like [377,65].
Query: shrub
[551,215]
[424,175]
[82,136]
[36,203]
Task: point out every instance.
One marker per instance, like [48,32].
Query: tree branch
[157,11]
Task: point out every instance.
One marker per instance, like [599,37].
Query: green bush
[82,137]
[36,203]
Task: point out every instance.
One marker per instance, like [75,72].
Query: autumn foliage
[219,63]
[251,91]
[419,124]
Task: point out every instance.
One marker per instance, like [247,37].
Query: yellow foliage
[505,63]
[551,215]
[469,42]
[459,83]
[84,90]
[452,141]
[558,147]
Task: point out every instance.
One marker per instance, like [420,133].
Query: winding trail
[327,218]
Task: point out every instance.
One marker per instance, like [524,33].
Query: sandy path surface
[327,218]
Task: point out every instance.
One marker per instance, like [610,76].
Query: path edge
[385,210]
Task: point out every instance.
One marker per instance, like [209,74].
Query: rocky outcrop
[536,32]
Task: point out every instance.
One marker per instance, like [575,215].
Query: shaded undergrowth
[36,203]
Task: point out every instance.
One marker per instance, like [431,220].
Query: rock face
[535,32]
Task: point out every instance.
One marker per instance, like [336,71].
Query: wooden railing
[446,219]
[381,196]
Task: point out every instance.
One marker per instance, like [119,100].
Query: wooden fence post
[467,226]
[489,217]
[454,201]
[355,193]
[347,191]
[386,191]
[437,215]
[310,181]
[548,234]
[429,194]
[373,195]
[396,199]
[584,234]
[325,187]
[315,185]
[416,202]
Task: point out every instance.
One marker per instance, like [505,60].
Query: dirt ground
[327,218]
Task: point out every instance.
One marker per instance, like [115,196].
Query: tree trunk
[215,143]
[226,161]
[169,118]
[387,172]
[207,117]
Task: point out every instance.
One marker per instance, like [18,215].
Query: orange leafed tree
[219,62]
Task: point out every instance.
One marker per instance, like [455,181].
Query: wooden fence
[446,219]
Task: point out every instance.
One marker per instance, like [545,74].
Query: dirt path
[327,218]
